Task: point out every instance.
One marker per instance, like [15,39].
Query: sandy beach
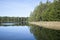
[51,24]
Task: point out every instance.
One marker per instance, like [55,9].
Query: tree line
[49,11]
[13,19]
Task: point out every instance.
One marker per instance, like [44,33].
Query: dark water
[27,32]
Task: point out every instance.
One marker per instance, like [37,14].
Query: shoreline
[48,24]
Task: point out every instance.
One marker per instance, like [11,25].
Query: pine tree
[47,12]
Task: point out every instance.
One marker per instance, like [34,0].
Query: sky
[18,8]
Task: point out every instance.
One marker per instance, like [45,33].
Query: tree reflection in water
[45,34]
[14,24]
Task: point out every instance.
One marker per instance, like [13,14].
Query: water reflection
[25,31]
[14,24]
[45,34]
[15,33]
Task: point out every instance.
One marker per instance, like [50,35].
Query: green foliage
[13,19]
[46,12]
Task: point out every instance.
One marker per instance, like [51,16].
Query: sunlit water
[27,33]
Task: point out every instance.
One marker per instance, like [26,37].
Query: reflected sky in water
[15,33]
[27,32]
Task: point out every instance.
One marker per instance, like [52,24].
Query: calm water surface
[15,33]
[27,33]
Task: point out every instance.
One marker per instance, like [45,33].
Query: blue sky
[20,8]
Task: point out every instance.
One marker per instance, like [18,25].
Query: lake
[16,31]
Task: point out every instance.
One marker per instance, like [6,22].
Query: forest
[49,11]
[13,19]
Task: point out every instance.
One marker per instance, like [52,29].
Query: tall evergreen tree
[47,11]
